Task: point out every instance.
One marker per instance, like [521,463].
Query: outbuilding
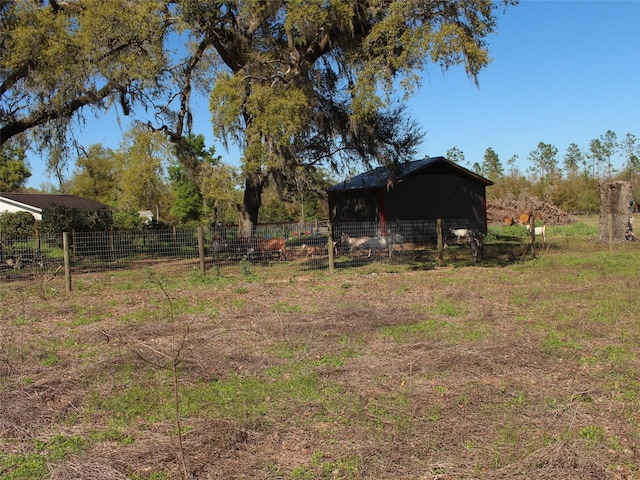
[423,190]
[35,203]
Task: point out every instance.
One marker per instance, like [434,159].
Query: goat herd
[317,246]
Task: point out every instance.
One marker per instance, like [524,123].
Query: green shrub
[17,224]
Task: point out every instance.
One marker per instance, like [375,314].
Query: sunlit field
[514,367]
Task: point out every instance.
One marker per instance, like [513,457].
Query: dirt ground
[447,373]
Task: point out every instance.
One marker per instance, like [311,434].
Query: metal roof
[44,200]
[383,176]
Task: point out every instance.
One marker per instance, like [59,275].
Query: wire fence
[303,246]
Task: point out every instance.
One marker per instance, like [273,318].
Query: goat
[242,247]
[313,250]
[217,246]
[272,246]
[539,231]
[476,242]
[461,234]
[396,239]
[354,243]
[377,243]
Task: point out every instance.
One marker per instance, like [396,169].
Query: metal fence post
[67,261]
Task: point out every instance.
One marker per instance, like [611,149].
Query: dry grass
[524,370]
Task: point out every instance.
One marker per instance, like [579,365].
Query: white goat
[376,243]
[539,231]
[462,234]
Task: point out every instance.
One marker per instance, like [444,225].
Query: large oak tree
[294,83]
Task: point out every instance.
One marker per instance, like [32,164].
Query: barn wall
[429,196]
[354,206]
[418,197]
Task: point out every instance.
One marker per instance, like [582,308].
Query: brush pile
[511,212]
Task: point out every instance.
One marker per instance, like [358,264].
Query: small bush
[17,224]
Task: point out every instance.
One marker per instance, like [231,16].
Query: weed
[428,328]
[111,435]
[593,434]
[245,268]
[302,473]
[87,320]
[618,354]
[345,467]
[434,413]
[34,464]
[402,289]
[554,345]
[151,476]
[138,316]
[238,302]
[23,466]
[450,308]
[284,307]
[50,359]
[21,321]
[199,278]
[245,398]
[60,446]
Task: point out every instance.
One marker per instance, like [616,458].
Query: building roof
[383,176]
[43,200]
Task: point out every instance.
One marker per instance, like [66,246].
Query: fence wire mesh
[308,246]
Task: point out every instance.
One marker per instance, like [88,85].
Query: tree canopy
[295,84]
[14,171]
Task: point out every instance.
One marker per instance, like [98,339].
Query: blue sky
[562,72]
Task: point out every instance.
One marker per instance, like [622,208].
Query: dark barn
[420,191]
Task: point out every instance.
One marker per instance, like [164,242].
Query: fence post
[67,261]
[532,232]
[330,249]
[203,267]
[439,242]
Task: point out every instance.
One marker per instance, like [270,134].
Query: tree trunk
[248,211]
[615,202]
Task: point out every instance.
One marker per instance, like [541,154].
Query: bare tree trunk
[615,200]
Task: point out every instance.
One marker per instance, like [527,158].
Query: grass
[34,463]
[513,368]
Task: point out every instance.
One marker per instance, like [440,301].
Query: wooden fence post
[203,267]
[440,242]
[330,249]
[67,261]
[532,232]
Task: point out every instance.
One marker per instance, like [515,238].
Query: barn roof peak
[386,175]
